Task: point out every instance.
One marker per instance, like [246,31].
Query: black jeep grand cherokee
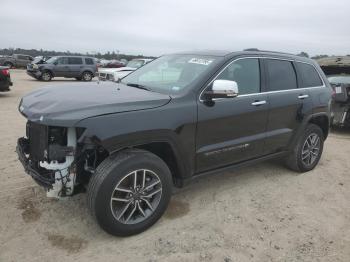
[178,117]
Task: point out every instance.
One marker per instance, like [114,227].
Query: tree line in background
[34,52]
[108,55]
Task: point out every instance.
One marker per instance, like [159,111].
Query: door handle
[259,103]
[303,96]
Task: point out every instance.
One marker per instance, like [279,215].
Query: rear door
[316,88]
[76,66]
[232,130]
[287,103]
[22,60]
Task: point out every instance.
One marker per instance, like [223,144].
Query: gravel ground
[260,213]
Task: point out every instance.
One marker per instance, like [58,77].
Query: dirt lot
[261,213]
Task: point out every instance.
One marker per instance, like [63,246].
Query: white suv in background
[114,74]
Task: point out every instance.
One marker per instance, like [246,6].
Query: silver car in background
[114,74]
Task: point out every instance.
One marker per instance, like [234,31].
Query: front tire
[307,151]
[46,76]
[129,192]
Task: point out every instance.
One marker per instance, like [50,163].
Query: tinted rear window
[281,75]
[309,75]
[75,60]
[89,61]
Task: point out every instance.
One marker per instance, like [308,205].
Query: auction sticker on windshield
[200,61]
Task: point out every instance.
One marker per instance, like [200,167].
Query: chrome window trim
[261,93]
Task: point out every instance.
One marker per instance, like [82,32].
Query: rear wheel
[307,151]
[129,192]
[86,76]
[8,64]
[46,76]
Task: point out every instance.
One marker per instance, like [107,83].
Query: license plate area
[38,141]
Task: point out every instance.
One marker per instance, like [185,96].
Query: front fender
[174,124]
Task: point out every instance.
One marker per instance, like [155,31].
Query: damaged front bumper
[58,177]
[44,179]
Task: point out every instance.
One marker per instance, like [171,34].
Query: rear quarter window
[309,75]
[89,61]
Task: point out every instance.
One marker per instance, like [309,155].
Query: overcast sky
[155,27]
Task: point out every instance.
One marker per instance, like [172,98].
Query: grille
[38,140]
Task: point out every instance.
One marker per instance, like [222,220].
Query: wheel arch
[321,120]
[86,70]
[9,62]
[166,151]
[48,70]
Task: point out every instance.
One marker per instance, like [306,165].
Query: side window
[89,61]
[75,60]
[22,57]
[246,73]
[62,61]
[309,75]
[281,75]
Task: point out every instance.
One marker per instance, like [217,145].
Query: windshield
[170,73]
[52,60]
[135,63]
[339,79]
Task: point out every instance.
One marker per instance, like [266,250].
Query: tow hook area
[64,174]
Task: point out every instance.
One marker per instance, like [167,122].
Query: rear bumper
[5,84]
[45,178]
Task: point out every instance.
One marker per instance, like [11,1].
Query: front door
[62,67]
[232,130]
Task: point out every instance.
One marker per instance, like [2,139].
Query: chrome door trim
[261,93]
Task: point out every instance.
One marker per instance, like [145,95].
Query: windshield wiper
[138,86]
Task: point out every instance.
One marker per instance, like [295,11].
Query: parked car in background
[341,100]
[114,64]
[16,60]
[78,67]
[5,79]
[117,73]
[179,117]
[40,59]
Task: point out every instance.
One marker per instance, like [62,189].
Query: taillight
[5,72]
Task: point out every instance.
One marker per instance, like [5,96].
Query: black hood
[67,104]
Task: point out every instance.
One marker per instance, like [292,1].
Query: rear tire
[118,203]
[86,76]
[8,64]
[307,151]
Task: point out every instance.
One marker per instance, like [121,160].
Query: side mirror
[222,89]
[55,63]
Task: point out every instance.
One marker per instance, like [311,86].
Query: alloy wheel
[46,76]
[136,196]
[311,149]
[87,77]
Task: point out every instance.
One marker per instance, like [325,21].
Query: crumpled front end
[48,155]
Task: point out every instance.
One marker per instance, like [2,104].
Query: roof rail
[267,51]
